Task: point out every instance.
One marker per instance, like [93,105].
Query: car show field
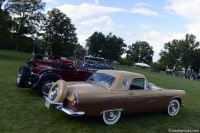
[23,110]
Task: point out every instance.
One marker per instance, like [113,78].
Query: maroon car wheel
[22,76]
[45,85]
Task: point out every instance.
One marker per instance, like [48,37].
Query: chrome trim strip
[112,110]
[65,110]
[52,102]
[69,111]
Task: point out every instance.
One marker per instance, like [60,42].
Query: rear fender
[45,75]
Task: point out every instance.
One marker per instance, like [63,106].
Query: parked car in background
[192,76]
[42,77]
[168,71]
[155,70]
[103,66]
[86,65]
[110,93]
[180,74]
[197,76]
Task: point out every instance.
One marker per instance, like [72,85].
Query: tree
[27,17]
[109,47]
[80,52]
[140,51]
[179,52]
[95,44]
[187,46]
[6,24]
[59,33]
[170,55]
[114,47]
[195,65]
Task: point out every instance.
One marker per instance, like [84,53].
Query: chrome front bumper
[59,105]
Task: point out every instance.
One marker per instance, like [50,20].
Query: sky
[153,21]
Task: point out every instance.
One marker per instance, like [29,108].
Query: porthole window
[124,82]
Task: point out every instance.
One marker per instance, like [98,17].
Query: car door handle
[149,101]
[130,94]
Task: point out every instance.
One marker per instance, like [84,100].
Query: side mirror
[151,84]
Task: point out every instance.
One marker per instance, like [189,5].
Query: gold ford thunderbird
[109,93]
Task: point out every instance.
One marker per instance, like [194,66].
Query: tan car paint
[94,99]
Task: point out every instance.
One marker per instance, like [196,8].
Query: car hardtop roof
[119,73]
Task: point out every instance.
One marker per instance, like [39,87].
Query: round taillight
[75,102]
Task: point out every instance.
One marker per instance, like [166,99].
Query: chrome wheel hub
[54,92]
[19,77]
[173,108]
[46,87]
[112,114]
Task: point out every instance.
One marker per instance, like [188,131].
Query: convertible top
[118,73]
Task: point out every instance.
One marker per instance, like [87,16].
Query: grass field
[23,110]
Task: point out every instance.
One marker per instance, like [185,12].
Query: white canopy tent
[141,64]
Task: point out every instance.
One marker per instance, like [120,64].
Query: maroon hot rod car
[47,61]
[42,77]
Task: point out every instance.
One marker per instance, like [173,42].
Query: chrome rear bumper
[59,105]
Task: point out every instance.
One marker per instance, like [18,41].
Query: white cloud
[82,39]
[193,28]
[99,20]
[141,4]
[145,11]
[145,26]
[128,34]
[97,2]
[87,10]
[155,39]
[186,8]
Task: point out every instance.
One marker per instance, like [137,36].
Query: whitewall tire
[173,107]
[111,117]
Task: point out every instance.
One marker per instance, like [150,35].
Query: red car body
[45,74]
[47,61]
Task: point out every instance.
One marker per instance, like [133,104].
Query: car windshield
[101,79]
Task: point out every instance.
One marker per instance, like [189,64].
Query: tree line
[181,53]
[23,27]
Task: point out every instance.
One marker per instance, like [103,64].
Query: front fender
[45,75]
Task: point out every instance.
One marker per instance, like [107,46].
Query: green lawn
[23,110]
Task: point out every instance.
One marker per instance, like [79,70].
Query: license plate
[47,104]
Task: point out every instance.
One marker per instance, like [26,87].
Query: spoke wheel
[46,86]
[173,107]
